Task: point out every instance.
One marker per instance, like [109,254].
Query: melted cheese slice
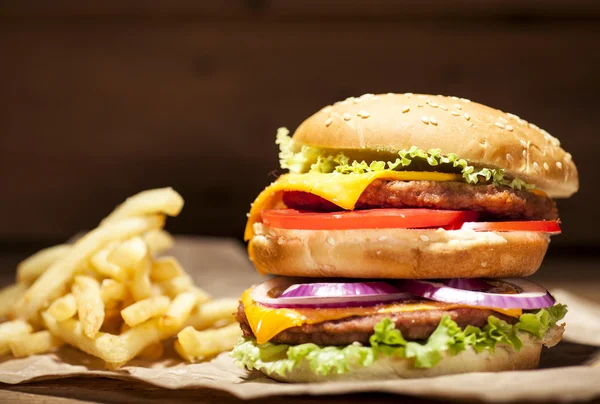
[344,190]
[267,322]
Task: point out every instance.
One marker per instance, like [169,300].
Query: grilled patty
[495,201]
[416,325]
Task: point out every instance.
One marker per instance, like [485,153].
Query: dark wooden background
[101,99]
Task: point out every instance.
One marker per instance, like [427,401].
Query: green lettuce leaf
[448,338]
[302,158]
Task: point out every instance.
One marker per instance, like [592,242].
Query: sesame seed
[559,165]
[536,166]
[346,116]
[568,157]
[405,109]
[328,121]
[432,104]
[367,95]
[363,114]
[454,98]
[433,120]
[524,153]
[512,115]
[521,121]
[356,100]
[523,143]
[374,98]
[445,108]
[534,126]
[546,166]
[458,106]
[382,238]
[408,94]
[467,116]
[330,240]
[247,214]
[280,240]
[327,108]
[425,120]
[500,125]
[390,94]
[474,126]
[455,113]
[424,237]
[420,105]
[509,128]
[421,96]
[508,157]
[501,119]
[465,100]
[483,264]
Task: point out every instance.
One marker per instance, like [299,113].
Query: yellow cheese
[267,322]
[344,190]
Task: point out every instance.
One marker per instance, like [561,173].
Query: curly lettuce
[447,339]
[302,158]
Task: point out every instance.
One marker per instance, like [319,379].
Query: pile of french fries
[113,295]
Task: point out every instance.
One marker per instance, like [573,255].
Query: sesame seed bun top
[484,136]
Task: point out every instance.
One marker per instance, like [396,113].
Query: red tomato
[366,219]
[544,226]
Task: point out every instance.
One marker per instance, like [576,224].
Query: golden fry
[33,267]
[90,306]
[58,274]
[163,200]
[128,253]
[9,295]
[177,285]
[152,352]
[103,266]
[158,241]
[199,345]
[165,269]
[34,344]
[179,310]
[112,292]
[63,308]
[145,309]
[218,311]
[140,286]
[10,331]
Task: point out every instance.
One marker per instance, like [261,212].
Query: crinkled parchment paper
[569,372]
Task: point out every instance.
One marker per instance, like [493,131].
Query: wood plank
[94,111]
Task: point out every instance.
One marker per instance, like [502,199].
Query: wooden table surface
[581,276]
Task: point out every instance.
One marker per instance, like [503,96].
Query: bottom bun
[390,367]
[397,253]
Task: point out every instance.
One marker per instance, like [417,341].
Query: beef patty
[416,325]
[494,201]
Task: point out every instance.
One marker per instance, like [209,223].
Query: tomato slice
[544,226]
[366,219]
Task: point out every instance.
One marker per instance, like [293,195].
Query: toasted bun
[390,367]
[481,135]
[397,253]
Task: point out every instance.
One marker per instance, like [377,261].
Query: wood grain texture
[97,106]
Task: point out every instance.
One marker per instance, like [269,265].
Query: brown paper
[570,371]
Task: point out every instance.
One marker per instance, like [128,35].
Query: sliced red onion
[532,295]
[467,284]
[325,295]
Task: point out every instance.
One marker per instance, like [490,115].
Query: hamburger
[400,241]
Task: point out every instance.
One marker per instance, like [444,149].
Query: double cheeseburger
[400,241]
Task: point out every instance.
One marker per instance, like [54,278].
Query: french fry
[90,306]
[105,346]
[152,352]
[179,310]
[201,295]
[158,241]
[9,295]
[12,330]
[103,266]
[165,269]
[128,253]
[112,292]
[61,272]
[63,308]
[33,267]
[195,345]
[140,286]
[162,200]
[145,309]
[218,311]
[177,285]
[34,344]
